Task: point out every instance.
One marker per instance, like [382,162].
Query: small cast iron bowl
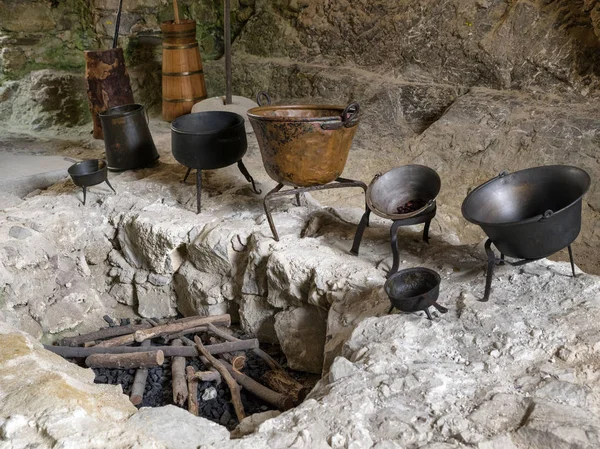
[399,185]
[89,172]
[414,289]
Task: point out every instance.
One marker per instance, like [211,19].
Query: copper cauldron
[304,145]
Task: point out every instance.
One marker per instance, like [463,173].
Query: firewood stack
[145,345]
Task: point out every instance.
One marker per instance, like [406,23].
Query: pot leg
[501,262]
[428,313]
[249,178]
[187,173]
[198,191]
[390,311]
[490,270]
[364,222]
[426,232]
[84,192]
[394,243]
[277,188]
[297,198]
[571,259]
[440,308]
[111,187]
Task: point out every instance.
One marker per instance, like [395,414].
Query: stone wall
[549,45]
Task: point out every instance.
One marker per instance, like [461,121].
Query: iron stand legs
[439,308]
[242,169]
[246,174]
[296,191]
[85,190]
[364,222]
[493,261]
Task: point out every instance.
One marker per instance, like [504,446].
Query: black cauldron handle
[547,215]
[263,95]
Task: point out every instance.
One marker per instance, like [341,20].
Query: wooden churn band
[107,83]
[182,73]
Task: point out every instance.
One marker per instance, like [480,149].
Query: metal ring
[350,114]
[179,47]
[183,100]
[263,94]
[195,72]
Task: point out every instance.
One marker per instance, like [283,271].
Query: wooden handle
[176,10]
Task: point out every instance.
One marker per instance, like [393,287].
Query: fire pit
[304,146]
[414,289]
[209,140]
[406,195]
[529,214]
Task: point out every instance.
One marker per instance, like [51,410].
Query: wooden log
[139,381]
[278,400]
[102,334]
[234,388]
[180,389]
[220,332]
[179,326]
[122,340]
[208,376]
[194,330]
[169,351]
[192,391]
[280,380]
[126,361]
[107,83]
[281,384]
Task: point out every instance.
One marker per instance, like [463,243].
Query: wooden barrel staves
[182,75]
[107,83]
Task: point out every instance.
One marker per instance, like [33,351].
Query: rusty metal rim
[255,113]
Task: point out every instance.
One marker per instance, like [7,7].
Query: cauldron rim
[429,271]
[101,167]
[254,113]
[533,219]
[430,203]
[135,107]
[207,133]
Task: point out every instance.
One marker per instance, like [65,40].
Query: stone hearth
[517,372]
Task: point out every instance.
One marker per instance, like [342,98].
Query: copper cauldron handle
[263,95]
[349,118]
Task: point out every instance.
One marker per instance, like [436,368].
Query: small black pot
[208,140]
[89,173]
[414,289]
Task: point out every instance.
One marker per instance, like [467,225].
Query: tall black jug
[127,138]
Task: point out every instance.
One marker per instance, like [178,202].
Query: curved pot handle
[351,114]
[549,213]
[263,95]
[349,118]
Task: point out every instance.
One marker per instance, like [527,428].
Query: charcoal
[411,206]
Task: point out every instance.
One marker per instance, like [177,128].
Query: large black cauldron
[209,140]
[529,214]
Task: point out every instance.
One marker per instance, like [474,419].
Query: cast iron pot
[208,140]
[89,173]
[414,289]
[127,138]
[395,187]
[532,213]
